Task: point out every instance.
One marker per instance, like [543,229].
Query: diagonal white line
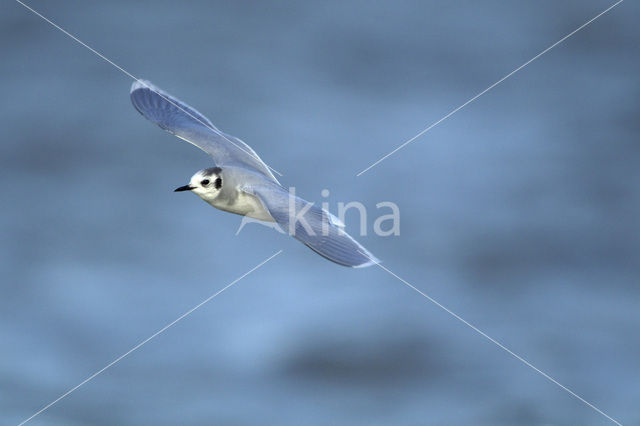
[163,329]
[500,345]
[145,85]
[490,87]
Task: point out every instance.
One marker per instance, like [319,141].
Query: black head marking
[209,175]
[212,171]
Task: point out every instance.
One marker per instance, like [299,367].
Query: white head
[206,184]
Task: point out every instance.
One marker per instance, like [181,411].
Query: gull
[241,183]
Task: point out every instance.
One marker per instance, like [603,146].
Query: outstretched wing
[185,122]
[316,228]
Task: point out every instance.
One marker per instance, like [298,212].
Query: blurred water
[520,213]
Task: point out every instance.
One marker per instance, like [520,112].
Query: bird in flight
[243,184]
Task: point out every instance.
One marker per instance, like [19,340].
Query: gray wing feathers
[183,121]
[316,228]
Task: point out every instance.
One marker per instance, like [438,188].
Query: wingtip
[372,261]
[139,83]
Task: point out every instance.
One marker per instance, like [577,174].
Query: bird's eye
[218,183]
[205,182]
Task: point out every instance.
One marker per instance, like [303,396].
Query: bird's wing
[315,227]
[185,122]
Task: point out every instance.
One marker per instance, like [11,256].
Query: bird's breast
[243,204]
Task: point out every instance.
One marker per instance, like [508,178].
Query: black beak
[183,188]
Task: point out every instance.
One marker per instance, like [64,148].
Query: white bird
[242,183]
